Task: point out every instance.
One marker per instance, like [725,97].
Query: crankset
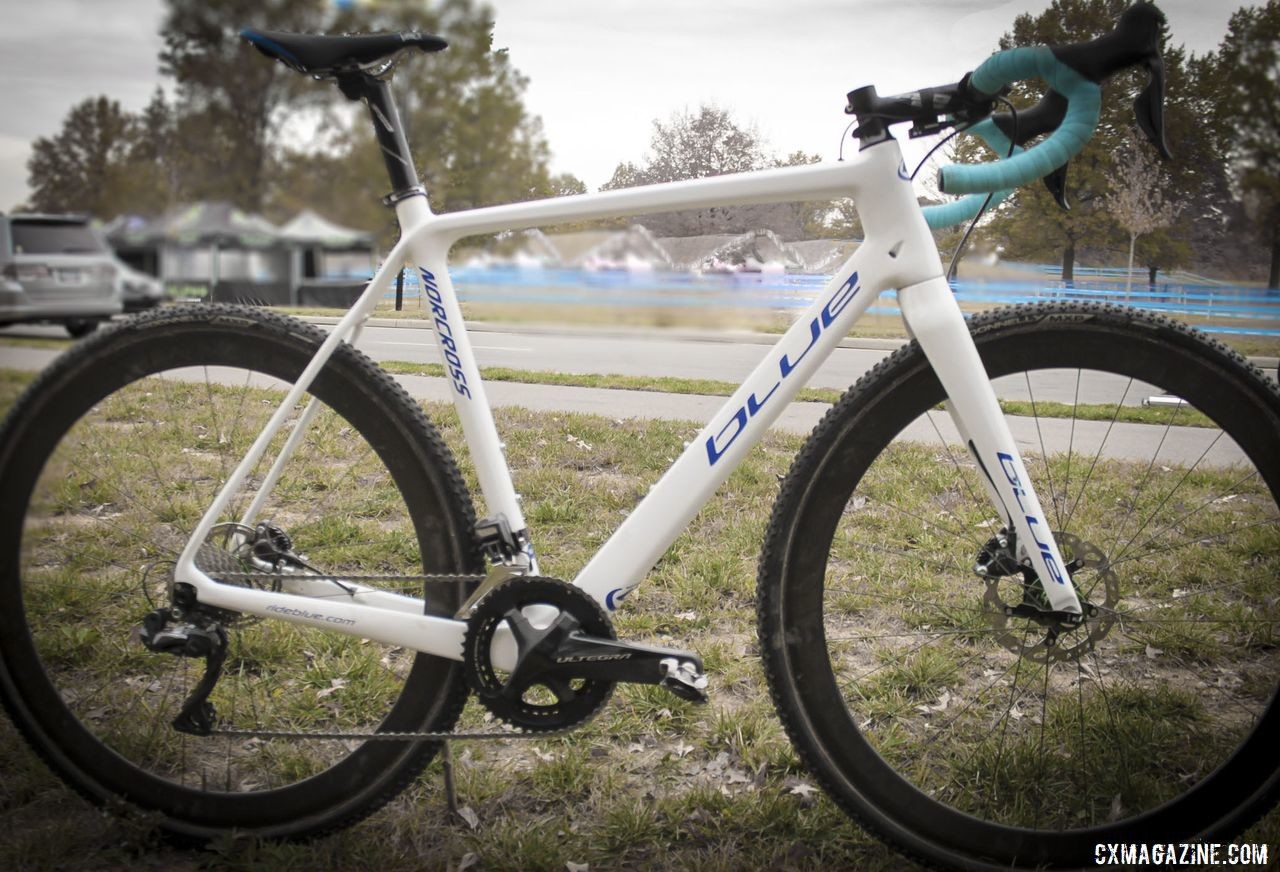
[567,656]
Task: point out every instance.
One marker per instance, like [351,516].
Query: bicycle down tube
[898,252]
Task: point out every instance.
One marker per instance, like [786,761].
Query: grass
[35,342]
[715,388]
[654,782]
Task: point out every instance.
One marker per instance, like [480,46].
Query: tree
[232,101]
[692,145]
[1031,225]
[473,142]
[1248,67]
[81,168]
[1030,222]
[696,145]
[151,173]
[1137,198]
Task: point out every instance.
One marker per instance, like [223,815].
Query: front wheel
[905,644]
[106,464]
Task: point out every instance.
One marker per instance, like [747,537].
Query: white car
[56,268]
[138,290]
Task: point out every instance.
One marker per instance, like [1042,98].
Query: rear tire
[966,734]
[106,463]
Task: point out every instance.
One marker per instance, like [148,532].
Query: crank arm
[583,656]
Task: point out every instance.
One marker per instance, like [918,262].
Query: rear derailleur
[188,629]
[185,631]
[566,656]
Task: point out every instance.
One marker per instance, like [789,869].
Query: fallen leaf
[1153,653]
[468,860]
[335,685]
[940,705]
[577,867]
[472,819]
[805,791]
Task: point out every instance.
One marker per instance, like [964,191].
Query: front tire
[107,462]
[966,734]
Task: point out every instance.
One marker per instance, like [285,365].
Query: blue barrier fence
[1237,310]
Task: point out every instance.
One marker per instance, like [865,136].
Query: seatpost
[376,93]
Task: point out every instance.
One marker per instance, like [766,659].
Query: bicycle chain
[513,733]
[420,736]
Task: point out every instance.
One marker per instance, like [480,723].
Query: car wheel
[78,327]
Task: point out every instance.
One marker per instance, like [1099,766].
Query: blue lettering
[1015,482]
[836,304]
[444,331]
[716,451]
[839,300]
[785,365]
[753,406]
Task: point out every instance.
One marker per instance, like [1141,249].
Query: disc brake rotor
[1099,591]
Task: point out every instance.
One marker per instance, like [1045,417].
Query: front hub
[1016,607]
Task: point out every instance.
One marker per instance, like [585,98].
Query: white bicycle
[244,587]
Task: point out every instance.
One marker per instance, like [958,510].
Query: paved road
[631,352]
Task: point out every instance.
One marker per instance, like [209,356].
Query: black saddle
[319,55]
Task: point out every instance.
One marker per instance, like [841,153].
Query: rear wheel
[936,704]
[106,464]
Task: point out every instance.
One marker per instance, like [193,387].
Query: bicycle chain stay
[272,579]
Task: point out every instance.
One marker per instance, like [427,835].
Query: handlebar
[1084,103]
[1069,112]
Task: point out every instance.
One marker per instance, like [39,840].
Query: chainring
[538,702]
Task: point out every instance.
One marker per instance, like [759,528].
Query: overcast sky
[600,70]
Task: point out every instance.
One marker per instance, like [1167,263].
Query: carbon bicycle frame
[898,252]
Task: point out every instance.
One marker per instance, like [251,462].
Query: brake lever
[1056,182]
[1148,108]
[1044,117]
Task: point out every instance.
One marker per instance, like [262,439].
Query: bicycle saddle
[319,55]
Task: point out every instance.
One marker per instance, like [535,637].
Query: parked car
[138,290]
[57,269]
